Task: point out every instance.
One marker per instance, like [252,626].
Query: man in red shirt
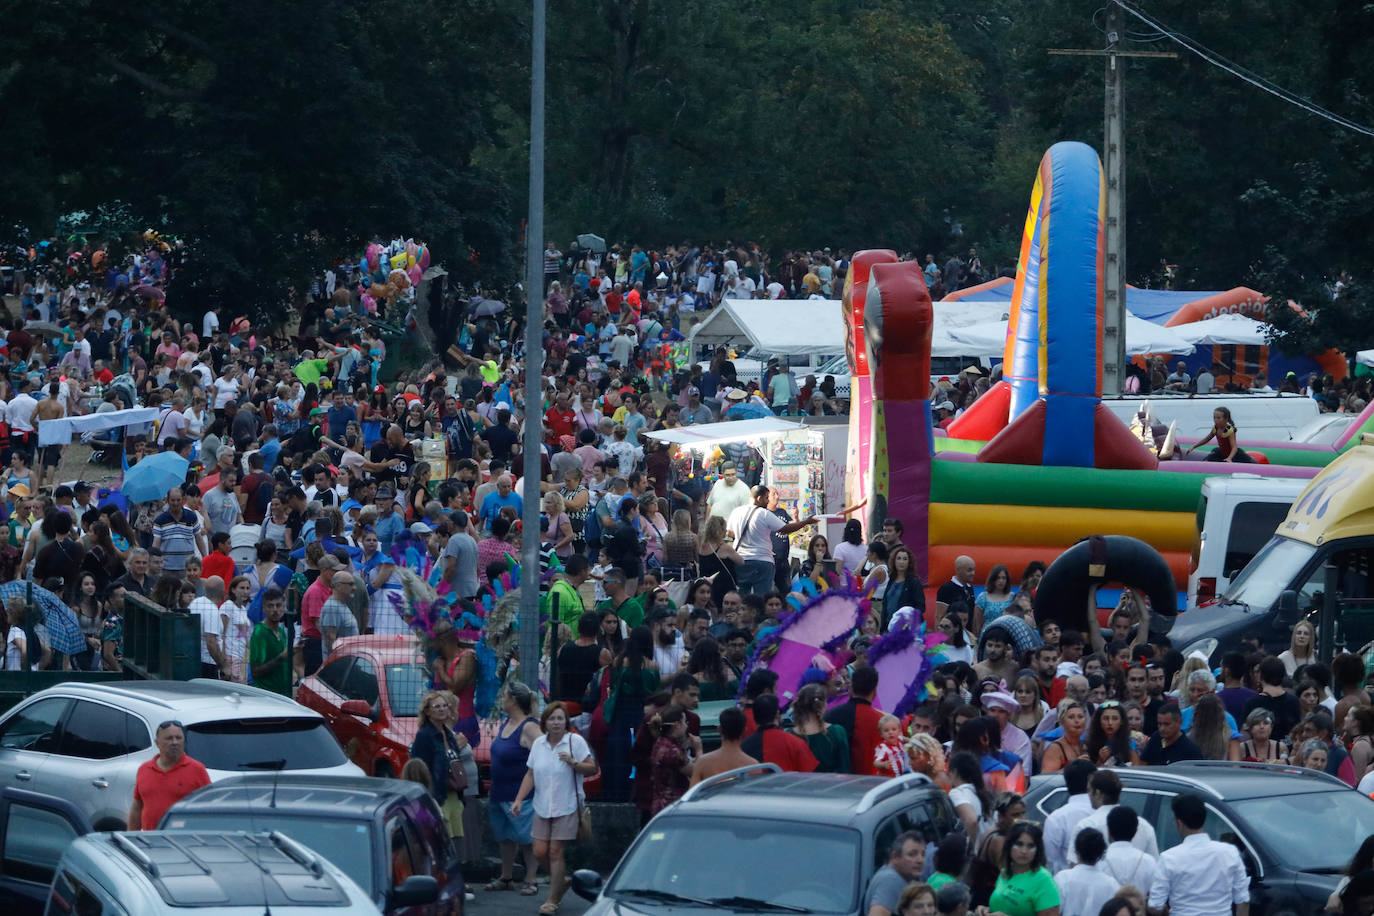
[761,681]
[312,605]
[560,417]
[859,720]
[771,744]
[218,562]
[165,779]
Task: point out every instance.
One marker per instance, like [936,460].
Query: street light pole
[534,365]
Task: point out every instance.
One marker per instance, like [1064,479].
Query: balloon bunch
[389,271]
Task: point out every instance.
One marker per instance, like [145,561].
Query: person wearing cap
[695,412]
[390,520]
[1001,705]
[944,413]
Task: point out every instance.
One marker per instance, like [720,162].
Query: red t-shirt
[773,745]
[218,564]
[159,789]
[562,423]
[613,303]
[312,604]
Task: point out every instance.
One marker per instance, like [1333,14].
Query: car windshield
[1320,832]
[264,744]
[405,686]
[813,867]
[1270,572]
[345,843]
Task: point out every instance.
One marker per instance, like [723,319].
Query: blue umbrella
[152,477]
[64,632]
[745,411]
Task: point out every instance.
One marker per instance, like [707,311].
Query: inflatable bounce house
[1037,463]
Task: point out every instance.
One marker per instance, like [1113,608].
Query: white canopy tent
[990,338]
[706,434]
[1223,330]
[789,326]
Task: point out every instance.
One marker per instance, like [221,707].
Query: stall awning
[729,431]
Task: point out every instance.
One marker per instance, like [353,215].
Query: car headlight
[1205,646]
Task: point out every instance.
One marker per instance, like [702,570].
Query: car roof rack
[730,776]
[904,783]
[1276,768]
[294,850]
[130,849]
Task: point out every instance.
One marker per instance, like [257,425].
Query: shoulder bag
[584,814]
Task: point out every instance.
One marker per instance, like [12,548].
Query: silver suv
[174,872]
[85,741]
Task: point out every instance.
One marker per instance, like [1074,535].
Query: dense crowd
[323,495]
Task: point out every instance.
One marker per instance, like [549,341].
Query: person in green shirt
[1025,886]
[630,610]
[269,646]
[950,858]
[576,570]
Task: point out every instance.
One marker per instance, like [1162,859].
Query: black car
[757,839]
[1296,829]
[378,831]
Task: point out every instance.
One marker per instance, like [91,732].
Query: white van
[1258,417]
[1236,516]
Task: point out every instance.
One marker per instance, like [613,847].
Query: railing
[159,643]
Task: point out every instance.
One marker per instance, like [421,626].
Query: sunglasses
[169,723]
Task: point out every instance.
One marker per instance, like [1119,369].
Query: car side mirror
[586,884]
[417,890]
[359,708]
[1288,606]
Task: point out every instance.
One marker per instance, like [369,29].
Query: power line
[1242,73]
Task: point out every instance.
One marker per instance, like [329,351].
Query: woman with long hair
[1210,731]
[904,585]
[828,742]
[927,756]
[1025,886]
[851,553]
[103,558]
[1073,718]
[996,596]
[237,627]
[419,491]
[439,747]
[717,560]
[1007,809]
[1261,746]
[558,764]
[817,553]
[90,614]
[680,549]
[671,758]
[455,670]
[653,526]
[121,534]
[634,678]
[1109,738]
[1302,647]
[1030,577]
[1030,708]
[561,532]
[707,665]
[14,652]
[1224,431]
[699,597]
[960,644]
[972,803]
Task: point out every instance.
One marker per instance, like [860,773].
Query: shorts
[453,814]
[509,828]
[563,827]
[50,456]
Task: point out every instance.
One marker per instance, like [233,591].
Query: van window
[293,743]
[1252,525]
[34,728]
[70,897]
[99,732]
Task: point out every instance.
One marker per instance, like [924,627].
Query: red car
[369,691]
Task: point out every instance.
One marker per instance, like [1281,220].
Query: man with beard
[998,663]
[669,650]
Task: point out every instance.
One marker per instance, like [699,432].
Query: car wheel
[109,825]
[383,769]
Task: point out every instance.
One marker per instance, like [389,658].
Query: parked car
[1296,828]
[368,690]
[51,862]
[757,839]
[1236,516]
[85,741]
[367,827]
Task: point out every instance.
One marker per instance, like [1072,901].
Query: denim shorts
[508,828]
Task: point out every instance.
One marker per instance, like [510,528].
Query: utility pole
[1114,169]
[534,367]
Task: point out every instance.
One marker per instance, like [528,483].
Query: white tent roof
[729,431]
[1224,329]
[990,338]
[784,326]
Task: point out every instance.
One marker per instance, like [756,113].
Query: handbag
[457,773]
[584,814]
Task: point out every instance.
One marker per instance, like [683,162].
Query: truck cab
[1318,565]
[1236,516]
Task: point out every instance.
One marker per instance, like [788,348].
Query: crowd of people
[660,574]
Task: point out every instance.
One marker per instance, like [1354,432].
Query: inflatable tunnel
[1063,592]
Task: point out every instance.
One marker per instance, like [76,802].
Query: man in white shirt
[210,324]
[19,413]
[1123,862]
[1084,888]
[1105,791]
[669,648]
[727,493]
[752,526]
[1199,876]
[214,664]
[1061,823]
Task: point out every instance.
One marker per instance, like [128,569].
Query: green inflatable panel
[1087,488]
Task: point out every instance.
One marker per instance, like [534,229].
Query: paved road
[510,903]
